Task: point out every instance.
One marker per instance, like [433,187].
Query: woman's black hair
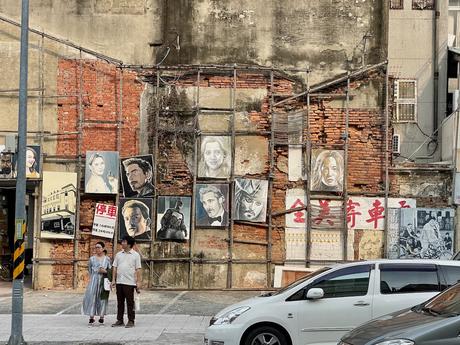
[101,243]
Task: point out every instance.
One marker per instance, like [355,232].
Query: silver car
[435,322]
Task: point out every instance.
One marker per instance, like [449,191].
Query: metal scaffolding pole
[345,169]
[20,209]
[271,177]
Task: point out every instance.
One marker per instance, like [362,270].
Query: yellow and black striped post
[19,248]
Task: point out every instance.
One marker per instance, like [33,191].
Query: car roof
[398,261]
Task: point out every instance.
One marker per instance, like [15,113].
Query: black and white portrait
[250,200]
[327,170]
[211,205]
[173,218]
[136,176]
[426,233]
[135,218]
[215,157]
[6,163]
[101,174]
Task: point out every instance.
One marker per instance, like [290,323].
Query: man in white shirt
[126,278]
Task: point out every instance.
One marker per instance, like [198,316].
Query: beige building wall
[412,35]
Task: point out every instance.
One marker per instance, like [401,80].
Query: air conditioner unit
[396,144]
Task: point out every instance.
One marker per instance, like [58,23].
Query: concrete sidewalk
[156,329]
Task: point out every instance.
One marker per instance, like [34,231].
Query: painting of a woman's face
[330,172]
[30,158]
[98,166]
[213,155]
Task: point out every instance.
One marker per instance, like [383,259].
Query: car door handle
[361,303]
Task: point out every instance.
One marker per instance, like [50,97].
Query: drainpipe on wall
[435,67]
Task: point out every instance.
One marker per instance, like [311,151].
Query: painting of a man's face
[250,200]
[251,206]
[212,204]
[136,177]
[134,221]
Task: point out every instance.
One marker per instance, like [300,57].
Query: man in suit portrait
[139,175]
[213,202]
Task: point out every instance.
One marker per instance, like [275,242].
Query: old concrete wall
[410,56]
[121,29]
[328,36]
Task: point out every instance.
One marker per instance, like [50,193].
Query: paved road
[166,317]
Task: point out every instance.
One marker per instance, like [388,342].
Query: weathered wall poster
[327,170]
[59,205]
[426,233]
[250,200]
[211,205]
[101,172]
[105,219]
[173,218]
[362,212]
[135,218]
[136,176]
[33,164]
[6,163]
[215,157]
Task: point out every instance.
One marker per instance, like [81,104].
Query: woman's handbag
[107,284]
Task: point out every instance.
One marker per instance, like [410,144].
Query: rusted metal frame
[66,42]
[256,225]
[195,174]
[387,162]
[155,173]
[38,188]
[240,133]
[271,177]
[306,176]
[36,89]
[187,67]
[79,169]
[118,143]
[232,184]
[333,82]
[345,170]
[259,243]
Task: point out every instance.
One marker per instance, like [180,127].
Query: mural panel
[6,163]
[101,172]
[58,205]
[250,200]
[136,176]
[327,170]
[215,157]
[173,218]
[135,218]
[211,205]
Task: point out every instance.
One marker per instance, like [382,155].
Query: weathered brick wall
[174,170]
[100,87]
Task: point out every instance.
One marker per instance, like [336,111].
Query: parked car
[322,307]
[436,321]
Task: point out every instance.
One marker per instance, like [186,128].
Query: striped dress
[92,302]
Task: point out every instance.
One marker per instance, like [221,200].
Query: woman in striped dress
[98,266]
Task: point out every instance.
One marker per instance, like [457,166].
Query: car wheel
[265,336]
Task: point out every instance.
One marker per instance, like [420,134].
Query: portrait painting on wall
[250,200]
[215,157]
[136,176]
[135,218]
[101,172]
[6,163]
[327,168]
[211,205]
[33,161]
[426,233]
[59,202]
[173,218]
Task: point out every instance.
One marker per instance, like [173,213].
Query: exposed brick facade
[174,176]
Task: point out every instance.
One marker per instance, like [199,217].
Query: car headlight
[396,342]
[230,316]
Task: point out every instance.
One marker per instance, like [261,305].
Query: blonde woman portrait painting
[215,157]
[101,172]
[327,170]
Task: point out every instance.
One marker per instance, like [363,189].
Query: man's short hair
[129,240]
[139,204]
[142,163]
[210,189]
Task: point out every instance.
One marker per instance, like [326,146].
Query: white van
[319,309]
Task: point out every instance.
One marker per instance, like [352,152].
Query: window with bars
[397,4]
[406,100]
[423,4]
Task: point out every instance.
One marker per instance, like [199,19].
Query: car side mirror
[315,293]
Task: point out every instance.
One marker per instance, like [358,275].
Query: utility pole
[16,337]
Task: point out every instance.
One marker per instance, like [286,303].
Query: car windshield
[298,282]
[445,304]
